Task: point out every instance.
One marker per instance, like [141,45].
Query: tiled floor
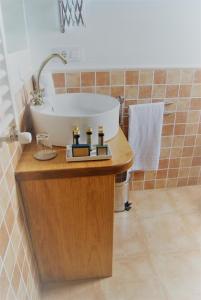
[157,251]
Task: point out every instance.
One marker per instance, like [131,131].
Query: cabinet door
[71,225]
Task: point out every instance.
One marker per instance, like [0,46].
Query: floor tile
[152,203]
[168,233]
[186,199]
[141,290]
[128,236]
[180,274]
[193,222]
[133,269]
[157,251]
[74,290]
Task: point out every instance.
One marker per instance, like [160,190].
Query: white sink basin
[82,110]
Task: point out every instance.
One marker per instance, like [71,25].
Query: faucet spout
[44,63]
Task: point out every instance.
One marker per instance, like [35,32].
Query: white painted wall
[122,33]
[14,28]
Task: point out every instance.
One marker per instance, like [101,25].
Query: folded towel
[145,128]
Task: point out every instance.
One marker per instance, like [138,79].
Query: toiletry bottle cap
[100,129]
[77,130]
[90,130]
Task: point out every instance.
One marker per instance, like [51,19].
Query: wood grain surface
[71,226]
[29,168]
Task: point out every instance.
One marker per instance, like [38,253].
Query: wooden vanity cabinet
[69,211]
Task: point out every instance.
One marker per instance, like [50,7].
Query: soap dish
[93,155]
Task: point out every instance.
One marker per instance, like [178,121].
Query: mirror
[14,25]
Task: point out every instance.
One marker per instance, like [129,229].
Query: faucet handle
[37,97]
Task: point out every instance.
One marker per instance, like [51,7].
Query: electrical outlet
[72,54]
[61,51]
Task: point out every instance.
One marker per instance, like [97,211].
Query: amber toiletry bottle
[100,136]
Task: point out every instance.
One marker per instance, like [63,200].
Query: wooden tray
[93,155]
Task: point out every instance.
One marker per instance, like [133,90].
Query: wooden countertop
[29,168]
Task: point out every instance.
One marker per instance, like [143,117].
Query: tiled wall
[18,276]
[180,160]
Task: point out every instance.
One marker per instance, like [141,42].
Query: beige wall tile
[165,153]
[184,172]
[59,80]
[60,90]
[4,284]
[149,185]
[194,171]
[166,141]
[178,141]
[176,152]
[186,162]
[196,90]
[160,76]
[197,76]
[132,77]
[4,196]
[9,260]
[4,239]
[174,162]
[145,92]
[173,76]
[191,129]
[169,119]
[185,90]
[138,185]
[73,90]
[73,79]
[10,231]
[10,177]
[183,104]
[182,181]
[198,140]
[104,90]
[117,78]
[187,76]
[146,77]
[138,175]
[173,173]
[160,184]
[189,140]
[172,182]
[195,104]
[4,156]
[181,117]
[150,175]
[102,78]
[179,129]
[87,78]
[158,91]
[117,91]
[163,164]
[161,174]
[167,130]
[88,89]
[172,91]
[193,117]
[9,218]
[131,92]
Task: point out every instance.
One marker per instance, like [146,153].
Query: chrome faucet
[38,93]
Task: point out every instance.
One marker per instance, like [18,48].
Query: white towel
[145,128]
